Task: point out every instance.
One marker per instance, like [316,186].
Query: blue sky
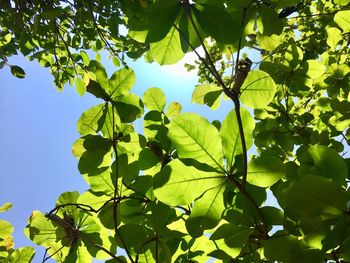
[39,128]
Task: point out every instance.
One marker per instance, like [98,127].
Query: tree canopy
[186,190]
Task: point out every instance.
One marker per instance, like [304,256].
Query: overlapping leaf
[196,139]
[229,133]
[179,184]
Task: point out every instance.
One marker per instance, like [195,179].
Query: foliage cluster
[185,190]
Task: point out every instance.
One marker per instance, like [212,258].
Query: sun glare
[179,69]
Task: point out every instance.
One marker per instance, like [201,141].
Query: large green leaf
[154,99]
[290,249]
[264,171]
[43,232]
[6,228]
[173,110]
[134,236]
[230,238]
[100,73]
[168,50]
[98,118]
[121,82]
[342,18]
[229,133]
[94,153]
[322,161]
[334,37]
[268,21]
[129,107]
[207,211]
[257,90]
[208,94]
[195,138]
[160,19]
[22,255]
[217,22]
[313,196]
[179,184]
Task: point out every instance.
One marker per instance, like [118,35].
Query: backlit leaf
[121,82]
[208,94]
[257,90]
[80,86]
[216,21]
[195,138]
[229,133]
[168,50]
[179,184]
[173,110]
[321,161]
[207,211]
[342,18]
[310,196]
[264,171]
[5,207]
[154,99]
[334,37]
[22,255]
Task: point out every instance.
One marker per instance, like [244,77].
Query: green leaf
[283,248]
[341,2]
[17,72]
[217,22]
[94,153]
[268,21]
[98,118]
[207,211]
[150,163]
[129,107]
[154,128]
[334,37]
[195,138]
[322,161]
[5,207]
[121,82]
[160,19]
[173,110]
[168,50]
[293,55]
[80,86]
[314,68]
[264,171]
[154,99]
[310,196]
[342,18]
[134,236]
[257,90]
[100,73]
[22,255]
[85,57]
[272,215]
[229,133]
[230,238]
[179,184]
[43,232]
[208,94]
[269,43]
[6,228]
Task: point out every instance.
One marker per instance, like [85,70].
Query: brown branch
[212,67]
